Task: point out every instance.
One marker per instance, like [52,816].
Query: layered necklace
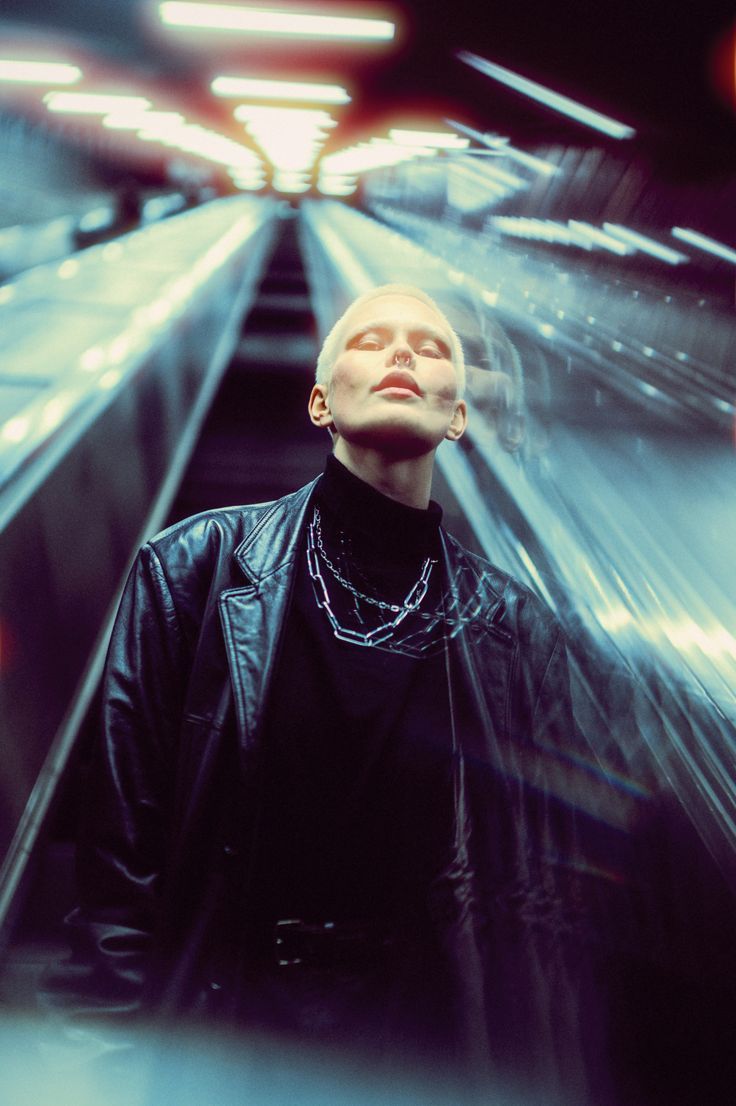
[317,554]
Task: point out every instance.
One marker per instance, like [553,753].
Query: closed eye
[429,349]
[370,341]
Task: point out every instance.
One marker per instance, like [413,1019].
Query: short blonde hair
[333,342]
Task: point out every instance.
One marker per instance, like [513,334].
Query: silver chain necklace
[400,610]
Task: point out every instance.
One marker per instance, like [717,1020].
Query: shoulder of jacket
[212,533]
[517,602]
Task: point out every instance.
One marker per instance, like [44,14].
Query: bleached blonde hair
[333,342]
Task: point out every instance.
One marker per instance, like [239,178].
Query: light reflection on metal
[110,379]
[92,359]
[38,72]
[55,410]
[501,146]
[646,245]
[68,268]
[554,100]
[292,24]
[257,88]
[15,429]
[616,239]
[474,186]
[607,241]
[704,242]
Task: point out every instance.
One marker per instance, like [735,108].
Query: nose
[403,356]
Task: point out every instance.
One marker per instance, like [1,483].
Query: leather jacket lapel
[253,616]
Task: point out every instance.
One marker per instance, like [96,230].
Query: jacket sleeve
[121,848]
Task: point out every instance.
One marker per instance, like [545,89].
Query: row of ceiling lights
[289,137]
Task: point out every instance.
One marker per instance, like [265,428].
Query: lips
[399,379]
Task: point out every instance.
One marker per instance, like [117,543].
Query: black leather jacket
[164,848]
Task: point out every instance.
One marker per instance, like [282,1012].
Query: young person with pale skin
[329,797]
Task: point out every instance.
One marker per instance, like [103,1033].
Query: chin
[397,441]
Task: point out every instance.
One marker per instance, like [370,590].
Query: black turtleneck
[356,742]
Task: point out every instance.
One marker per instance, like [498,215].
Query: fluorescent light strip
[335,187]
[703,242]
[289,137]
[280,90]
[89,103]
[202,142]
[646,245]
[496,142]
[226,17]
[38,72]
[546,96]
[442,140]
[357,159]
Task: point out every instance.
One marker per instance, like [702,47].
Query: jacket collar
[272,541]
[271,544]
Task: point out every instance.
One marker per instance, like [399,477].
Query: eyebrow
[426,330]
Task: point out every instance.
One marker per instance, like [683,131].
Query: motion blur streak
[550,99]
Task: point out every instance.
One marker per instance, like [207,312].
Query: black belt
[355,945]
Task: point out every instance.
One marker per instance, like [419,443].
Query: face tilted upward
[393,384]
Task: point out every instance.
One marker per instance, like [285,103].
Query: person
[339,795]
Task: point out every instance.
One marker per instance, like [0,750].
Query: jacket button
[230,850]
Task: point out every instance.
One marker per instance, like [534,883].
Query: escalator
[611,503]
[239,457]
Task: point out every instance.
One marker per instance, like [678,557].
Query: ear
[319,407]
[458,422]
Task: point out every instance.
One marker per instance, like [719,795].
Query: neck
[408,481]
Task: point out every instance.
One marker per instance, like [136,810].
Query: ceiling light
[143,120]
[39,72]
[249,184]
[289,137]
[375,155]
[89,103]
[703,242]
[280,90]
[336,185]
[275,115]
[202,142]
[229,17]
[546,96]
[443,140]
[291,182]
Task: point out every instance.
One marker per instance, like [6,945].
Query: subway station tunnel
[162,307]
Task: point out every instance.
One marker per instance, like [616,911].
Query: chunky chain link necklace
[315,549]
